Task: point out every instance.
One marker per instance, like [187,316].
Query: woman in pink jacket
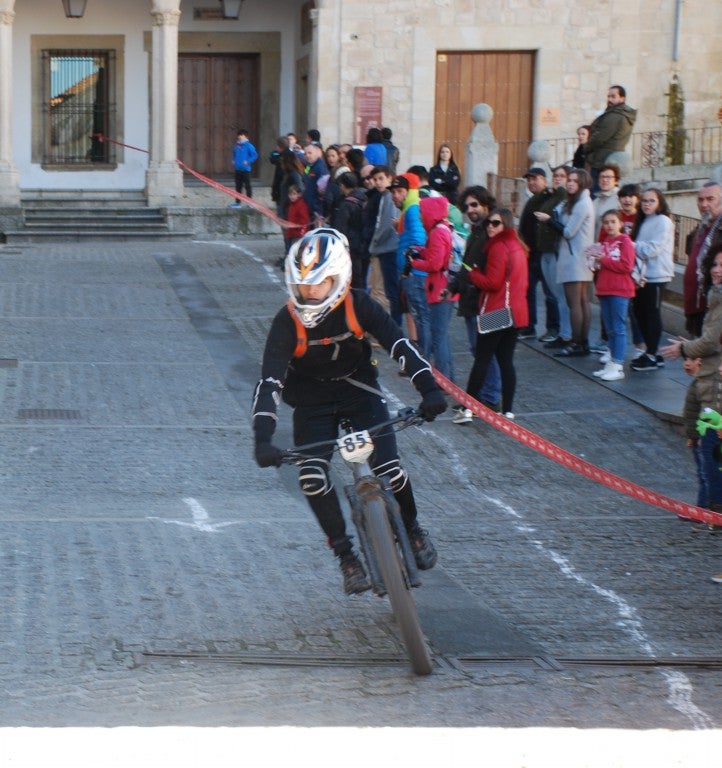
[433,259]
[505,274]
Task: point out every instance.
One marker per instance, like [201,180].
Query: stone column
[9,176]
[164,178]
[313,71]
[482,149]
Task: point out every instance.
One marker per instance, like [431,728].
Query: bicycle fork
[357,494]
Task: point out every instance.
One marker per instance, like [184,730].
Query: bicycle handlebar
[406,417]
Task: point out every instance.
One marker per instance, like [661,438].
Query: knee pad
[313,478]
[393,473]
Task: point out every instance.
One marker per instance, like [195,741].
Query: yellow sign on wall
[548,116]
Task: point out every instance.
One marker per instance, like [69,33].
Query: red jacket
[615,268]
[506,260]
[434,259]
[297,214]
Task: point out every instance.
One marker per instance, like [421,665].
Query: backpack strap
[302,341]
[351,320]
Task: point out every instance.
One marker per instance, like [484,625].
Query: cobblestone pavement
[151,574]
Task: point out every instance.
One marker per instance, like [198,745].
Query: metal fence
[649,149]
[512,193]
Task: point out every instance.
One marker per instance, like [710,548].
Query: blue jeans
[614,316]
[392,283]
[490,390]
[415,289]
[708,470]
[440,314]
[549,270]
[536,276]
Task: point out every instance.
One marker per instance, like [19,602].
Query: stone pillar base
[482,151]
[164,184]
[9,186]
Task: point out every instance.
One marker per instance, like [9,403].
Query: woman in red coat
[506,263]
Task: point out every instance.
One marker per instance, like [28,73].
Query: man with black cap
[539,238]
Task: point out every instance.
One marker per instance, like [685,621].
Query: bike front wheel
[399,592]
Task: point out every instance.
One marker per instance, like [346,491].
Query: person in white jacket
[653,236]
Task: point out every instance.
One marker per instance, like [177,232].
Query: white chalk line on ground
[201,518]
[680,689]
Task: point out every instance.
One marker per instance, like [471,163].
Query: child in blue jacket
[244,155]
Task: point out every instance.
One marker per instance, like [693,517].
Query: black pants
[243,181]
[648,311]
[320,422]
[499,344]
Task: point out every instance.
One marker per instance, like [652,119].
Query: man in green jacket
[610,132]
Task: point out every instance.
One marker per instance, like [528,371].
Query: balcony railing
[650,149]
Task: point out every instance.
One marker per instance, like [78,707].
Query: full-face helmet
[317,255]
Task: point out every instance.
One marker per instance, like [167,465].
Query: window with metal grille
[78,106]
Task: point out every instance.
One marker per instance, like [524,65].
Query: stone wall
[582,48]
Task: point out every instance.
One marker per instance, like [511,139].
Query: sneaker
[600,347]
[638,352]
[717,578]
[234,205]
[526,333]
[558,343]
[659,360]
[613,372]
[572,350]
[354,575]
[605,358]
[602,370]
[644,363]
[422,547]
[547,337]
[509,415]
[462,416]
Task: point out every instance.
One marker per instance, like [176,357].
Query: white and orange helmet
[317,255]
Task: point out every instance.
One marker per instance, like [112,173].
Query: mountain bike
[383,541]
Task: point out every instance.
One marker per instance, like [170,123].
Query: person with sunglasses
[476,202]
[503,282]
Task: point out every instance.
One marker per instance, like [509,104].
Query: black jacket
[474,256]
[316,377]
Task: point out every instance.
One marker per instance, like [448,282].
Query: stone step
[25,236]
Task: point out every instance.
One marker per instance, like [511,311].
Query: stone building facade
[543,65]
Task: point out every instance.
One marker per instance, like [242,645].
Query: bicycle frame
[383,540]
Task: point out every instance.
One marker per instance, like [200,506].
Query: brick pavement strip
[143,525]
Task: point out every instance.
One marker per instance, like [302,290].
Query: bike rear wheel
[397,588]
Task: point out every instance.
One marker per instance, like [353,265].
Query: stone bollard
[482,150]
[538,154]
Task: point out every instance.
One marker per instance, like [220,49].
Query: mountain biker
[318,360]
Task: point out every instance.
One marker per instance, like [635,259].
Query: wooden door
[502,79]
[217,95]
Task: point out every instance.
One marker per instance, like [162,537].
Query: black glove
[433,404]
[267,455]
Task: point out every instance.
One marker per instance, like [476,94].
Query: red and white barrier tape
[264,209]
[573,462]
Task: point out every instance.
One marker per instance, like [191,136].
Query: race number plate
[355,447]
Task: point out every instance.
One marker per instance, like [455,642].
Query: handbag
[497,319]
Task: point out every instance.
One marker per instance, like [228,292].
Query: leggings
[580,310]
[648,311]
[498,344]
